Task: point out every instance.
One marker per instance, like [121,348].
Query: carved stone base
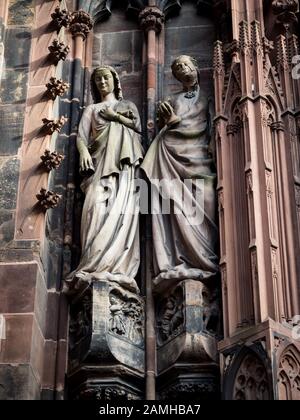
[106,343]
[190,382]
[265,367]
[187,327]
[106,383]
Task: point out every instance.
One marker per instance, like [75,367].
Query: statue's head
[105,80]
[185,70]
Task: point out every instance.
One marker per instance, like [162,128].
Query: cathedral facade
[104,296]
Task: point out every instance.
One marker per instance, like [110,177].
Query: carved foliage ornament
[56,87]
[50,126]
[51,160]
[81,24]
[48,199]
[58,51]
[60,18]
[107,393]
[151,18]
[190,390]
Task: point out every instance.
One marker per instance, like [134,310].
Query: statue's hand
[86,162]
[108,114]
[167,113]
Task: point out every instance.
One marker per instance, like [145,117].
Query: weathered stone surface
[17,47]
[14,86]
[48,378]
[197,42]
[116,51]
[17,285]
[16,348]
[20,12]
[18,383]
[7,226]
[117,22]
[11,129]
[37,351]
[9,175]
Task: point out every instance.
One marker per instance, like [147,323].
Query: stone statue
[110,153]
[180,159]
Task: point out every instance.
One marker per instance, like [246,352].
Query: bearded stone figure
[180,167]
[110,154]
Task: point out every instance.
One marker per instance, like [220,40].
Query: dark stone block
[18,383]
[38,352]
[137,51]
[52,315]
[15,255]
[197,42]
[41,301]
[9,176]
[117,22]
[131,86]
[11,129]
[17,47]
[16,348]
[48,380]
[17,285]
[14,88]
[20,12]
[47,395]
[188,17]
[116,51]
[7,227]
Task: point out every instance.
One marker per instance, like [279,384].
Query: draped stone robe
[110,217]
[184,240]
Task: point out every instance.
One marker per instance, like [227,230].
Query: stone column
[151,21]
[262,102]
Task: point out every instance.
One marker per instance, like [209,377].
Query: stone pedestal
[262,363]
[107,344]
[187,327]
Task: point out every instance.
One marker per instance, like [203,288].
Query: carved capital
[50,126]
[58,51]
[51,160]
[233,128]
[81,24]
[60,18]
[277,126]
[48,199]
[56,87]
[151,18]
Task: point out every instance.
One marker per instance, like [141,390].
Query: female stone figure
[110,153]
[184,238]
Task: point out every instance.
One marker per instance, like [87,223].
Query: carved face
[105,82]
[185,70]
